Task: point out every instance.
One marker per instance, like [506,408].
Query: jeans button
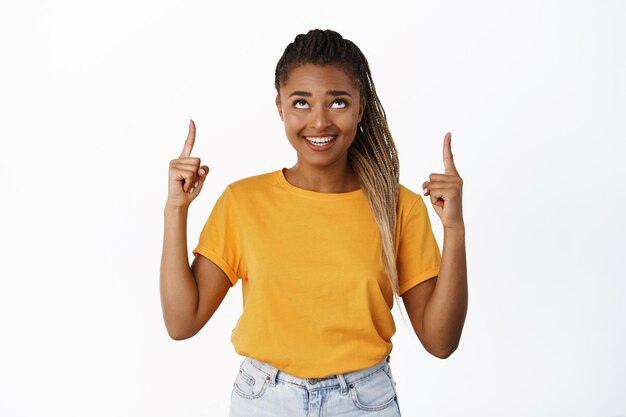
[312,381]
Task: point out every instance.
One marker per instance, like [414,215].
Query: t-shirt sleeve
[418,256]
[219,239]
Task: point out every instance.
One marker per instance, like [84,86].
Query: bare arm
[189,295]
[437,307]
[179,291]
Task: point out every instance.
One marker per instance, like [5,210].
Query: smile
[319,141]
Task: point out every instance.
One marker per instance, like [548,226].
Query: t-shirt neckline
[280,176]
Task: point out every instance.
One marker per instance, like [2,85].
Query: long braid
[373,154]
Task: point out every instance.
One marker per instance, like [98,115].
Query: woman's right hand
[185,175]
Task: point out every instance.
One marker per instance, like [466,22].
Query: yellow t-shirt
[317,300]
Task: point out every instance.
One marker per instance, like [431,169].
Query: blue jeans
[260,390]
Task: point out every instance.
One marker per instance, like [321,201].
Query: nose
[320,118]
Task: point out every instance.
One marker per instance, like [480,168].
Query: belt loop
[273,376]
[388,358]
[342,383]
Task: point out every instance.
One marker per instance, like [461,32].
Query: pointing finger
[191,138]
[448,160]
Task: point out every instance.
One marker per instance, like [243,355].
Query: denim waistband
[343,380]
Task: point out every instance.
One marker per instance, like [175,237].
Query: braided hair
[373,155]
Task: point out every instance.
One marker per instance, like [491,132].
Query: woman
[322,248]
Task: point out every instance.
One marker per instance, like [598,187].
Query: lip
[320,148]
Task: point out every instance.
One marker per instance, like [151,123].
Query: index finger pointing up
[448,160]
[191,138]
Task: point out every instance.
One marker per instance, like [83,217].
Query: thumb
[200,177]
[203,172]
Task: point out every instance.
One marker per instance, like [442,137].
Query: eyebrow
[334,93]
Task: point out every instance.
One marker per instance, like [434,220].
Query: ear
[279,107]
[362,104]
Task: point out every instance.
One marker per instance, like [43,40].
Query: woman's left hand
[446,190]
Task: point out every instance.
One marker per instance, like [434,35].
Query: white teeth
[320,140]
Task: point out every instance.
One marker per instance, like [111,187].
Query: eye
[339,103]
[300,104]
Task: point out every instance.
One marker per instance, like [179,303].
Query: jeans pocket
[374,392]
[250,382]
[387,369]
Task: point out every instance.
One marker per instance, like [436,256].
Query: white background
[95,99]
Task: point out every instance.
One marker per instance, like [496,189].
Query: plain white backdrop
[95,99]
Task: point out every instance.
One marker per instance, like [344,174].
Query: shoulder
[253,189]
[253,183]
[407,199]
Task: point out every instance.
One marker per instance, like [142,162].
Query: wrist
[175,210]
[458,230]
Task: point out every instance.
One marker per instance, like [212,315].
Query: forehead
[318,78]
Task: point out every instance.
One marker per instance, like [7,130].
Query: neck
[329,179]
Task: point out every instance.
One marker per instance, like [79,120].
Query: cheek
[350,122]
[292,122]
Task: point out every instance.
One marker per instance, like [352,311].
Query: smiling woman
[321,108]
[316,326]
